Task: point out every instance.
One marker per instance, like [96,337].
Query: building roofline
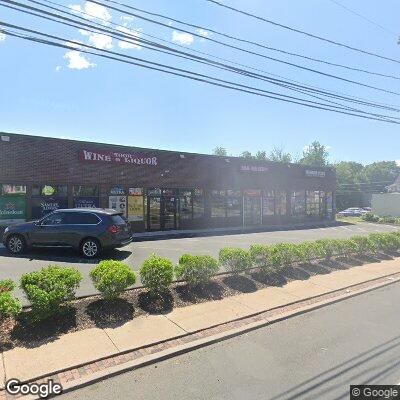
[146,149]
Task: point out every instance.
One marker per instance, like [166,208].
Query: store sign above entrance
[315,174]
[114,157]
[253,168]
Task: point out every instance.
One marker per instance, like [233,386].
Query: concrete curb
[224,335]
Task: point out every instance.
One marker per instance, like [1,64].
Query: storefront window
[186,204]
[312,203]
[252,207]
[218,204]
[86,196]
[12,204]
[298,204]
[268,203]
[329,205]
[47,198]
[233,203]
[136,205]
[280,203]
[198,204]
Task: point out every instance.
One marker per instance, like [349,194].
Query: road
[313,356]
[134,254]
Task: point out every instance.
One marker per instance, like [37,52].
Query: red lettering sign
[116,157]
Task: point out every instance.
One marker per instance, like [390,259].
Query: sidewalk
[79,349]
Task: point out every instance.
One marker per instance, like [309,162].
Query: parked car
[88,230]
[352,212]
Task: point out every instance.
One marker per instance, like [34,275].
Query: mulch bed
[93,311]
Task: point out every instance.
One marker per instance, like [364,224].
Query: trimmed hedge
[49,288]
[111,278]
[234,259]
[6,285]
[157,274]
[9,305]
[196,270]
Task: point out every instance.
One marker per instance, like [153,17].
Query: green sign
[12,208]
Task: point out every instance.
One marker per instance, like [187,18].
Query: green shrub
[326,248]
[386,219]
[49,288]
[234,259]
[307,251]
[363,245]
[157,274]
[344,247]
[384,241]
[259,255]
[9,305]
[111,278]
[282,255]
[370,217]
[196,270]
[6,285]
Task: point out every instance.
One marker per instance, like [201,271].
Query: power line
[172,70]
[303,32]
[365,18]
[241,49]
[215,57]
[120,35]
[168,18]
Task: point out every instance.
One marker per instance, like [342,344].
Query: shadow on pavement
[240,283]
[66,255]
[209,291]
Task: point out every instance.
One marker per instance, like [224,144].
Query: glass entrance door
[161,210]
[154,213]
[252,208]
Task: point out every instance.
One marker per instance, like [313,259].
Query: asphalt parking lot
[134,254]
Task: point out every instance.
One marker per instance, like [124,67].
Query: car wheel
[16,244]
[90,248]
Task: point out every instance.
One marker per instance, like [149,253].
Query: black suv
[88,230]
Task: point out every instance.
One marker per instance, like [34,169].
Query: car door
[50,231]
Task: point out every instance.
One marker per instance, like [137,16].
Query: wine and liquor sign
[114,157]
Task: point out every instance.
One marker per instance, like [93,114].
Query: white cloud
[58,67]
[129,45]
[2,37]
[75,45]
[127,18]
[77,61]
[203,32]
[398,163]
[92,11]
[182,37]
[98,40]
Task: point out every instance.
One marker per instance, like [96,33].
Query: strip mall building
[157,189]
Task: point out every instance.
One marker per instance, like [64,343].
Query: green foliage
[326,248]
[6,285]
[282,255]
[196,270]
[315,155]
[370,217]
[386,219]
[234,259]
[49,288]
[308,251]
[278,155]
[9,305]
[111,278]
[385,241]
[157,274]
[259,255]
[363,244]
[220,151]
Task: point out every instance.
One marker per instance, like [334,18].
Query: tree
[278,155]
[247,154]
[382,172]
[315,154]
[350,172]
[220,151]
[261,155]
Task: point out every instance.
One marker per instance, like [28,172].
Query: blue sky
[54,92]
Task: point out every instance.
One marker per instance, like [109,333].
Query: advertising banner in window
[44,205]
[135,208]
[118,203]
[12,209]
[13,189]
[86,202]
